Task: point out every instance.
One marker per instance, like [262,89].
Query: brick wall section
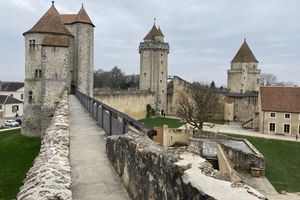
[50,176]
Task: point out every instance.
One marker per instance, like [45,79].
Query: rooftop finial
[244,39]
[154,20]
[82,5]
[52,3]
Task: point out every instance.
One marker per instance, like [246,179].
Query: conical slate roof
[244,54]
[51,22]
[83,17]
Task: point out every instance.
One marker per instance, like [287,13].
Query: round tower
[154,66]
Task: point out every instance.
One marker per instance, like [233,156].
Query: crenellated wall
[150,171]
[50,175]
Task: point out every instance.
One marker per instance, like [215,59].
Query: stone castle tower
[59,52]
[243,75]
[154,66]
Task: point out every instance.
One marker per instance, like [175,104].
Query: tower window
[38,73]
[162,72]
[145,74]
[30,97]
[244,77]
[31,44]
[242,85]
[160,81]
[22,96]
[161,62]
[161,54]
[163,91]
[253,66]
[55,76]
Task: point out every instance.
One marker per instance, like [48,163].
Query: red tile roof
[68,18]
[51,22]
[83,17]
[280,99]
[59,41]
[244,54]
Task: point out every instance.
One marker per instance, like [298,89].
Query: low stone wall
[243,161]
[150,171]
[132,103]
[50,176]
[225,167]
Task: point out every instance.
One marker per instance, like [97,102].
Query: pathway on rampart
[93,177]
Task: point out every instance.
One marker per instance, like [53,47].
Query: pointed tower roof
[148,36]
[50,22]
[83,17]
[154,31]
[244,54]
[159,32]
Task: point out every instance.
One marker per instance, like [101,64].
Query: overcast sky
[203,35]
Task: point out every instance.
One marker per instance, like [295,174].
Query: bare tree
[286,84]
[197,104]
[267,79]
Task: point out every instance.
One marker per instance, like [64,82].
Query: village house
[279,110]
[13,89]
[10,106]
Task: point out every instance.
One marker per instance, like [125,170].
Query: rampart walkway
[92,174]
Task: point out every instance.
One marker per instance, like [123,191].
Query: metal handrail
[89,104]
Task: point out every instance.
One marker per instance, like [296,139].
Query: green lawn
[282,162]
[17,154]
[160,121]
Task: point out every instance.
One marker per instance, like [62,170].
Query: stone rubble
[50,176]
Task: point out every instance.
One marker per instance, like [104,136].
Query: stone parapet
[150,171]
[50,175]
[154,46]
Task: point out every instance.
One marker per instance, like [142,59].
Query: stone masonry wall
[150,171]
[50,176]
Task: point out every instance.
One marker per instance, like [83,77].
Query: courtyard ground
[17,154]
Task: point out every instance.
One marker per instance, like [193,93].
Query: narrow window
[55,76]
[22,96]
[287,115]
[38,73]
[253,66]
[244,77]
[161,54]
[145,74]
[162,72]
[286,128]
[272,127]
[31,44]
[163,91]
[30,97]
[161,62]
[15,108]
[272,115]
[160,81]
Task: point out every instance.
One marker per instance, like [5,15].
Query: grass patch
[282,162]
[17,154]
[160,121]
